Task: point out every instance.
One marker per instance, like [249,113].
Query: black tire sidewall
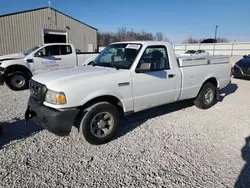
[201,97]
[13,87]
[89,115]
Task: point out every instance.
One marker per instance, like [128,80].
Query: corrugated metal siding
[19,32]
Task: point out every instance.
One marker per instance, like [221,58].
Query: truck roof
[146,42]
[57,44]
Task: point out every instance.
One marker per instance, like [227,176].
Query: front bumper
[2,78]
[57,122]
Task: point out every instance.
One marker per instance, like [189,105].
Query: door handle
[171,75]
[58,58]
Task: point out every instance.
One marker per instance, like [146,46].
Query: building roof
[46,8]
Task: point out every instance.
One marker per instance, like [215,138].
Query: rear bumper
[57,122]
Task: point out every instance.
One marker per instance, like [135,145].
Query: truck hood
[73,75]
[12,56]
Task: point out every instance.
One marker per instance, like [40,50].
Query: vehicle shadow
[244,177]
[133,121]
[230,89]
[16,129]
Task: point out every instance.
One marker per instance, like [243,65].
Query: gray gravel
[175,145]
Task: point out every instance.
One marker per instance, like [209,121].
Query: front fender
[100,93]
[8,63]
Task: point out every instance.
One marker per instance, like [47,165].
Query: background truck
[17,69]
[125,78]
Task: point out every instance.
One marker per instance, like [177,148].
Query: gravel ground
[175,145]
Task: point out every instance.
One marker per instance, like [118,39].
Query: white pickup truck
[17,69]
[125,78]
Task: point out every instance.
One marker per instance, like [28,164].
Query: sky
[177,19]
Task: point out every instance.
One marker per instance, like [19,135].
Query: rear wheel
[17,81]
[99,123]
[206,98]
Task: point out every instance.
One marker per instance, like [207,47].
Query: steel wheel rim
[102,124]
[209,96]
[18,81]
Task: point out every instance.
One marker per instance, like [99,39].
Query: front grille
[37,90]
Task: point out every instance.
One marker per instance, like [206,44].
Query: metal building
[21,31]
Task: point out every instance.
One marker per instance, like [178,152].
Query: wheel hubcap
[17,81]
[102,124]
[209,96]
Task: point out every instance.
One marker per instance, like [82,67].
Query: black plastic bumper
[2,78]
[57,122]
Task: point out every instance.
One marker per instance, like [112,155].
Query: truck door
[68,57]
[54,57]
[47,59]
[160,84]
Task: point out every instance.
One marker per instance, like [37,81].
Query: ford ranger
[125,78]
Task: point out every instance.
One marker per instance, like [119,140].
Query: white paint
[143,91]
[47,63]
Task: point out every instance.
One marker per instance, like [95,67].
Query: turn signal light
[60,99]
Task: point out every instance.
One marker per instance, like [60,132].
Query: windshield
[119,56]
[190,52]
[32,49]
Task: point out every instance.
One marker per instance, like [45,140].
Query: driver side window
[48,51]
[156,57]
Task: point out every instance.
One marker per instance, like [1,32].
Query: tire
[90,132]
[17,81]
[201,101]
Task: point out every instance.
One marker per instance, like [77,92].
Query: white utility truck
[126,77]
[17,69]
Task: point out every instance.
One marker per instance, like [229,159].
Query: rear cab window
[65,49]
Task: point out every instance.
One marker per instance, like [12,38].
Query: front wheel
[17,81]
[206,98]
[99,123]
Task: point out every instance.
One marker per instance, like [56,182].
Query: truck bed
[86,57]
[187,61]
[196,71]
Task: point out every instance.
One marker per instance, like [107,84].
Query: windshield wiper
[105,63]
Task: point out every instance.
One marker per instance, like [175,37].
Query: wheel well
[106,98]
[14,68]
[213,81]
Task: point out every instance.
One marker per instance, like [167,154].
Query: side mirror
[38,54]
[91,62]
[139,70]
[144,67]
[244,56]
[30,60]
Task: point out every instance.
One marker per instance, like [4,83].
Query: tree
[191,40]
[159,36]
[122,34]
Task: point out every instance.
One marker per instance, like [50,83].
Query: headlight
[54,97]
